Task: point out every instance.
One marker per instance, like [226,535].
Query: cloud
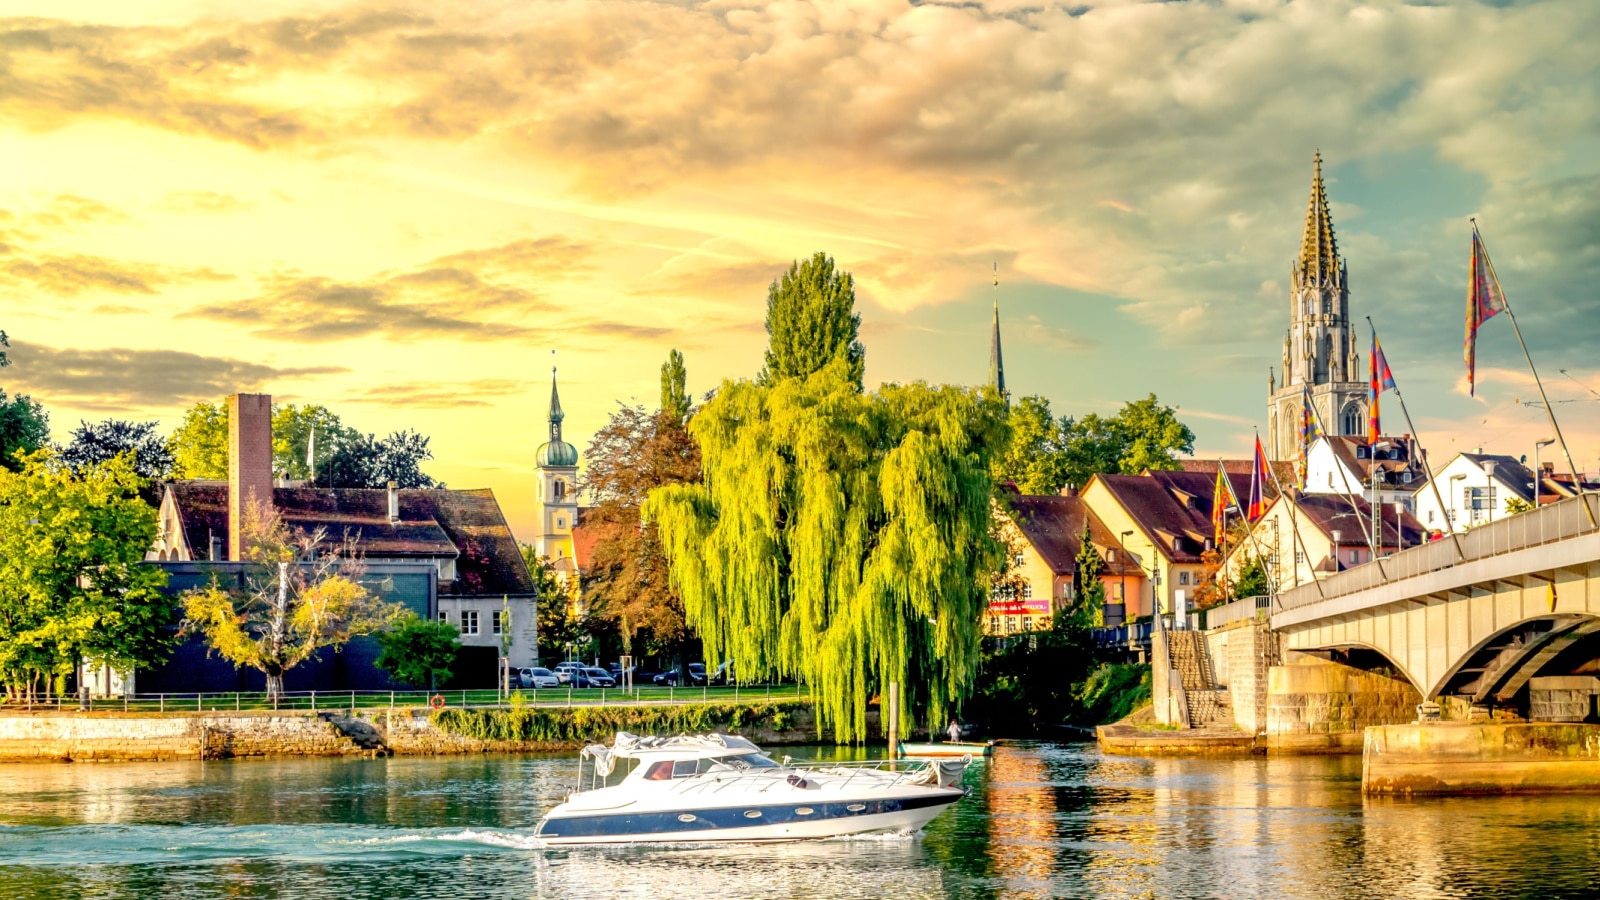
[439,395]
[204,202]
[115,379]
[75,274]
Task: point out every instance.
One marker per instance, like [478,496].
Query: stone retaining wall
[1314,706]
[1463,758]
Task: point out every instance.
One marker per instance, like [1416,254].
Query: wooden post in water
[892,727]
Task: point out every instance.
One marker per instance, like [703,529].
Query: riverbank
[1139,734]
[73,736]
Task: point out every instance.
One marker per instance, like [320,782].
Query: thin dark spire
[556,415]
[997,366]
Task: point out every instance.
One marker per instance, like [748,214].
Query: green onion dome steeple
[556,452]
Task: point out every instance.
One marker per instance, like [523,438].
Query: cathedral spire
[1319,253]
[556,415]
[997,367]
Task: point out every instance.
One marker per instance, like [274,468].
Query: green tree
[292,427]
[1516,505]
[199,446]
[72,584]
[840,536]
[418,652]
[5,358]
[1034,459]
[1252,580]
[300,596]
[556,625]
[675,401]
[1090,592]
[103,441]
[811,321]
[24,428]
[1152,436]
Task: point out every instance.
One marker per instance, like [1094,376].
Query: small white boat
[719,787]
[946,749]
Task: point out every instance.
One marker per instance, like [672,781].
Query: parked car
[697,675]
[564,670]
[538,677]
[723,675]
[592,677]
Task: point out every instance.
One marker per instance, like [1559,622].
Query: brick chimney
[249,462]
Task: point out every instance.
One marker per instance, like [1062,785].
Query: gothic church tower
[1319,352]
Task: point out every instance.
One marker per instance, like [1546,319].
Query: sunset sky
[399,211]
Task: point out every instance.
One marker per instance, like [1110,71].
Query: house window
[994,624]
[1183,577]
[560,489]
[1018,561]
[1355,556]
[1431,516]
[1299,558]
[444,616]
[1352,419]
[1027,590]
[560,522]
[497,621]
[469,621]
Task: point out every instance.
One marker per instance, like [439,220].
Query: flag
[1220,504]
[1309,430]
[1485,300]
[1379,379]
[1258,483]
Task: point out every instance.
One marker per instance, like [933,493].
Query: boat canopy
[683,746]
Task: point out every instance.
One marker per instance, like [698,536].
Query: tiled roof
[1508,470]
[1174,507]
[1333,512]
[1346,447]
[467,525]
[1285,470]
[585,535]
[1053,524]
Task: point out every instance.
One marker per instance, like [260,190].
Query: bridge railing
[1547,524]
[1238,610]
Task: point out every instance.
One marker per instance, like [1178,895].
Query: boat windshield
[747,761]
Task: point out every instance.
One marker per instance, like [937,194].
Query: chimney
[1549,468]
[1071,490]
[394,502]
[249,462]
[215,549]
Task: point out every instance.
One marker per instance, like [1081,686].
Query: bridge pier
[1318,706]
[1481,758]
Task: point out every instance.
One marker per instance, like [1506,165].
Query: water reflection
[1043,821]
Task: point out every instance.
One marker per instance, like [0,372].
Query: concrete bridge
[1475,621]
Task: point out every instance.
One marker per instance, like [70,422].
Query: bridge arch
[1368,658]
[1500,665]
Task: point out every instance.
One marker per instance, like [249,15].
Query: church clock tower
[558,493]
[1319,351]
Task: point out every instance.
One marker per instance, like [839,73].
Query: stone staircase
[1208,704]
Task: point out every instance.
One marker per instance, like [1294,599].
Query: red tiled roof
[1053,524]
[467,525]
[585,535]
[1330,512]
[1175,506]
[1285,470]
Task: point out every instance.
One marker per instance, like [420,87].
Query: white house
[1475,487]
[1345,465]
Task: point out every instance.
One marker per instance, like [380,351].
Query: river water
[1043,820]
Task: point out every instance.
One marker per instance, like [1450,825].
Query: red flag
[1485,300]
[1220,504]
[1380,379]
[1258,483]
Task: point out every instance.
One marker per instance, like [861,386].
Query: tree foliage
[1046,454]
[1252,580]
[811,321]
[1090,592]
[199,446]
[840,536]
[418,652]
[300,596]
[72,586]
[104,441]
[24,428]
[675,400]
[556,625]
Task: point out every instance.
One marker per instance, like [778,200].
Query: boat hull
[783,822]
[944,751]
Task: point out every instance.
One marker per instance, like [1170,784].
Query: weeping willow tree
[841,537]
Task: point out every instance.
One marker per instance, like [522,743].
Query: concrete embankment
[1481,758]
[116,736]
[1315,706]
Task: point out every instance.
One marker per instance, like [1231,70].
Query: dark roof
[1053,524]
[466,525]
[1174,507]
[1285,470]
[1508,470]
[1331,512]
[1401,455]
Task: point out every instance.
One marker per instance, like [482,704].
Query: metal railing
[1112,636]
[1240,610]
[1546,525]
[332,701]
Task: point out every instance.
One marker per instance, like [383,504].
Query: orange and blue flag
[1485,300]
[1380,379]
[1221,501]
[1258,483]
[1309,431]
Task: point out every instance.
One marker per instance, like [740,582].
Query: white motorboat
[719,787]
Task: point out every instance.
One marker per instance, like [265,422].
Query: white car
[539,677]
[564,670]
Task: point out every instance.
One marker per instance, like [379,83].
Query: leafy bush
[595,723]
[1114,690]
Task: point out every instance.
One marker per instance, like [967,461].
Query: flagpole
[1427,467]
[1250,532]
[1344,476]
[1374,390]
[1577,480]
[1299,541]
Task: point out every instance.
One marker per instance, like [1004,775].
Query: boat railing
[901,770]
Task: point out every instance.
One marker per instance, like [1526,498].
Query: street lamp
[1123,565]
[1538,476]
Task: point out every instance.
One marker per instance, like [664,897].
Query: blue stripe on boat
[667,822]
